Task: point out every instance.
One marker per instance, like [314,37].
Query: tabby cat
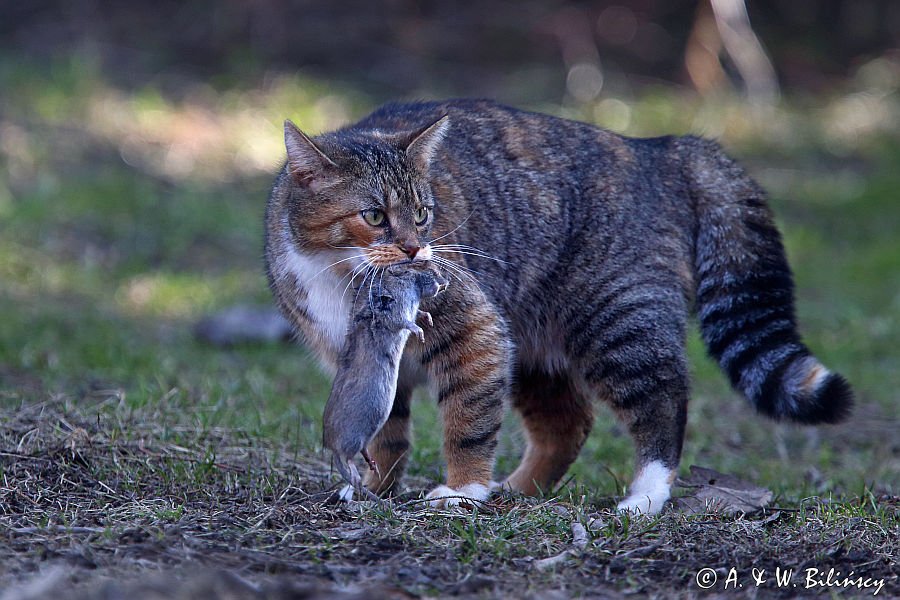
[581,253]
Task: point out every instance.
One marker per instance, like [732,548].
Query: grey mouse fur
[362,394]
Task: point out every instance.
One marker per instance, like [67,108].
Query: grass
[118,231]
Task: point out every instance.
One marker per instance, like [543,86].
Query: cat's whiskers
[381,281]
[468,250]
[337,262]
[462,247]
[357,270]
[353,272]
[371,283]
[344,247]
[462,277]
[460,265]
[455,269]
[455,228]
[470,271]
[370,270]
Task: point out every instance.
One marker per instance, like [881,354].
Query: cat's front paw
[466,496]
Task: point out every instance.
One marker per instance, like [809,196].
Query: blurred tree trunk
[725,25]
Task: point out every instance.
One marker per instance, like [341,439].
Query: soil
[91,507]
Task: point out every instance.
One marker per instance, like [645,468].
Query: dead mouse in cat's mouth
[363,391]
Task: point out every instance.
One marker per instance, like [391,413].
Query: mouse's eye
[421,215]
[374,217]
[385,302]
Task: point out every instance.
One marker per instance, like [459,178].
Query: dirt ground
[91,508]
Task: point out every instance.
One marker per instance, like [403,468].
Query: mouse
[383,317]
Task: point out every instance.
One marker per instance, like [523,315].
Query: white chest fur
[326,304]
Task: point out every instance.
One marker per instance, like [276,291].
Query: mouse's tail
[347,470]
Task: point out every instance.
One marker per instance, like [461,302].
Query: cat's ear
[308,165]
[423,144]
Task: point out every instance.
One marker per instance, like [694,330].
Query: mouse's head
[423,278]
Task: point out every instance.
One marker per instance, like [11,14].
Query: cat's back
[497,152]
[509,132]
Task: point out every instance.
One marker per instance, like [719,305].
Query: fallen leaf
[712,491]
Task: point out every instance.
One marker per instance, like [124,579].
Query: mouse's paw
[427,316]
[417,331]
[466,496]
[345,494]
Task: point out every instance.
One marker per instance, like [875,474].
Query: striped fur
[468,359]
[577,257]
[745,297]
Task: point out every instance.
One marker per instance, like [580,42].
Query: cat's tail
[745,299]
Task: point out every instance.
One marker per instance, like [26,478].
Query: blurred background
[138,142]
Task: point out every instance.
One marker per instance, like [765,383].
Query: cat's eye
[421,215]
[374,217]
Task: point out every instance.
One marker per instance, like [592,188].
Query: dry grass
[118,508]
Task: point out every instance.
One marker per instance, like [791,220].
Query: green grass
[109,253]
[111,249]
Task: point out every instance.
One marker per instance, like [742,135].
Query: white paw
[649,491]
[471,494]
[642,505]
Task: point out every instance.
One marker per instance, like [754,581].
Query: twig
[25,456]
[579,543]
[549,563]
[639,552]
[55,529]
[579,536]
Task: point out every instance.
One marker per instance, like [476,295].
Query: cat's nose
[410,249]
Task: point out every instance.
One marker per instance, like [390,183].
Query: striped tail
[745,296]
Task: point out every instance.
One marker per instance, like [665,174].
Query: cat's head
[364,190]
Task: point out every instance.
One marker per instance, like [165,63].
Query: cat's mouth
[389,255]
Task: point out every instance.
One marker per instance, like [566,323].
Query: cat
[590,250]
[384,313]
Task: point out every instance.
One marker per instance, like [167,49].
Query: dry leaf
[712,491]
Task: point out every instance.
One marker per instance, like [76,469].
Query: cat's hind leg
[631,353]
[557,420]
[653,406]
